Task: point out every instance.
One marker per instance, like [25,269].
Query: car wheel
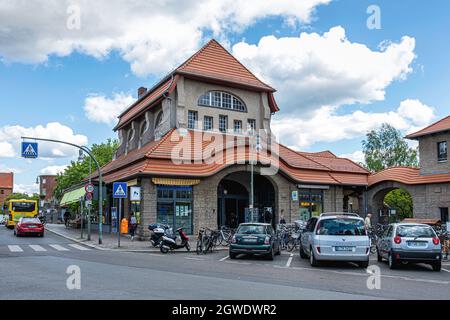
[392,261]
[232,255]
[15,233]
[436,266]
[363,265]
[303,254]
[271,255]
[379,257]
[312,259]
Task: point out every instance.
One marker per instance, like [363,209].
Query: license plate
[250,240]
[30,227]
[416,244]
[344,248]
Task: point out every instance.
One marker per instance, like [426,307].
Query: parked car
[255,238]
[335,237]
[410,242]
[29,226]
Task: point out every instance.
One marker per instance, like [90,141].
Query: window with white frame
[223,123]
[251,125]
[442,151]
[207,123]
[192,119]
[237,126]
[220,99]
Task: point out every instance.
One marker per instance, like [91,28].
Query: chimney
[141,91]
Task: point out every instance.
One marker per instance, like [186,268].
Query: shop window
[311,203]
[442,151]
[174,207]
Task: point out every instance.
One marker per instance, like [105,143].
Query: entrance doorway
[234,199]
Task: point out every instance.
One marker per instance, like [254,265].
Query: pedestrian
[268,216]
[282,219]
[368,222]
[132,225]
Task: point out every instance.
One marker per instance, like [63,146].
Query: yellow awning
[72,196]
[175,182]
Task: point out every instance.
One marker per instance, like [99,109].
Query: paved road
[39,271]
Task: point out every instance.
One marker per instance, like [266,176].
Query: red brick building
[6,186]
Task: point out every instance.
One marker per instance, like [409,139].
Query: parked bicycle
[225,236]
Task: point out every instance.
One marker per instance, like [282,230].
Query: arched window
[220,99]
[130,137]
[142,132]
[158,119]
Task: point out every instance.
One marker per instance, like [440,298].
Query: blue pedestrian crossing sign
[120,190]
[30,150]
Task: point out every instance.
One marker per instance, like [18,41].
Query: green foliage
[401,201]
[78,170]
[385,148]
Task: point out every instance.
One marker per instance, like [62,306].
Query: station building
[192,141]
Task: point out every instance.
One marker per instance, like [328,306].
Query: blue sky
[70,77]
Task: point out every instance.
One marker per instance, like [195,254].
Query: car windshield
[415,231]
[251,229]
[23,206]
[341,227]
[30,220]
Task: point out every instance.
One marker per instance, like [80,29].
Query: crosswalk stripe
[14,248]
[77,246]
[38,248]
[58,247]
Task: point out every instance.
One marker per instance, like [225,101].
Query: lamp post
[256,147]
[100,179]
[81,157]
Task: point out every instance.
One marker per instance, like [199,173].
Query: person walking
[282,219]
[132,225]
[368,222]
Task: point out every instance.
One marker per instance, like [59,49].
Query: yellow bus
[18,208]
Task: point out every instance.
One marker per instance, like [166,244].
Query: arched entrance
[391,203]
[233,194]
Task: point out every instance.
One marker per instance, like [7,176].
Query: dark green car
[255,238]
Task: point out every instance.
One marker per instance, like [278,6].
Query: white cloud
[53,170]
[312,71]
[99,108]
[6,150]
[26,188]
[54,130]
[326,125]
[418,113]
[153,36]
[357,156]
[6,168]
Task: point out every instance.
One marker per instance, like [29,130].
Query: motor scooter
[157,232]
[177,241]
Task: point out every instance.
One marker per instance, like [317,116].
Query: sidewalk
[110,240]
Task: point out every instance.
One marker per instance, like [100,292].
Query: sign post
[119,192]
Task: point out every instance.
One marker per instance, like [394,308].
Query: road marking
[77,246]
[15,248]
[288,263]
[37,248]
[225,258]
[445,270]
[237,262]
[58,247]
[198,259]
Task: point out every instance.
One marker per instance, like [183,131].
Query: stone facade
[428,150]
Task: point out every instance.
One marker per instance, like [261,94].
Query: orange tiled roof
[439,126]
[407,175]
[212,62]
[174,155]
[6,180]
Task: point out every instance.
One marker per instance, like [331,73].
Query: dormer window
[442,151]
[130,137]
[220,99]
[158,119]
[142,132]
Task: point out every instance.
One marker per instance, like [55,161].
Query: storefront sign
[135,193]
[294,195]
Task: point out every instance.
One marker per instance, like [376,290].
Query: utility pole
[100,179]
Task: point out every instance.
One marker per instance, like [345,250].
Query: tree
[401,201]
[79,170]
[385,148]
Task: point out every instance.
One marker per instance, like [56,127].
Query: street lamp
[100,179]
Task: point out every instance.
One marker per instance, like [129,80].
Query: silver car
[410,242]
[335,237]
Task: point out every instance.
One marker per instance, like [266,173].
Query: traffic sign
[89,188]
[30,150]
[88,196]
[120,190]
